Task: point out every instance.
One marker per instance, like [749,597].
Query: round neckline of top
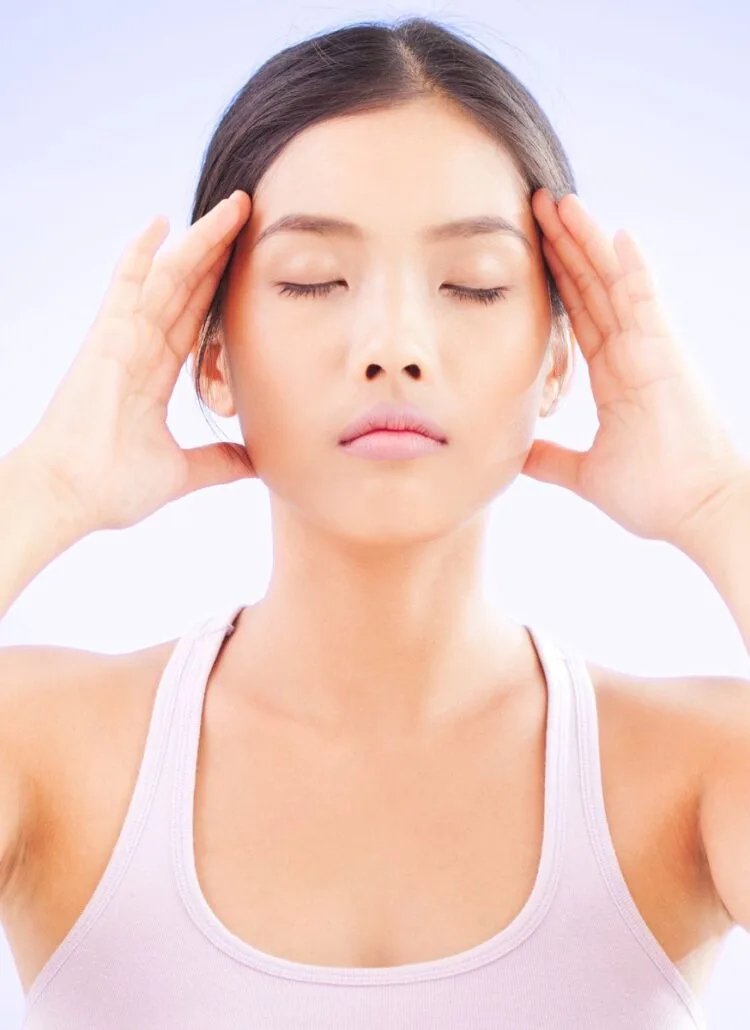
[521,926]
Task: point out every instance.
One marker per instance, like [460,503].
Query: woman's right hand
[103,442]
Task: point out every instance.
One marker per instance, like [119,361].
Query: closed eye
[487,296]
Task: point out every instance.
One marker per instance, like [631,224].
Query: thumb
[550,463]
[216,464]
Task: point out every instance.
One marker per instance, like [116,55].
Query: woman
[370,799]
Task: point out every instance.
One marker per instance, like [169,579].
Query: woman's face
[297,366]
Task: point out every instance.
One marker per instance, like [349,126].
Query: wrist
[46,492]
[721,518]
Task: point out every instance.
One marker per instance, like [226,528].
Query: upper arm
[724,813]
[39,685]
[20,670]
[14,798]
[60,708]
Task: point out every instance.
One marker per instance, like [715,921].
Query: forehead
[395,171]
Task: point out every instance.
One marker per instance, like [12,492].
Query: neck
[377,641]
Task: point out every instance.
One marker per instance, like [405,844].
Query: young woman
[370,799]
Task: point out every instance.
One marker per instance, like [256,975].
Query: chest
[392,857]
[333,854]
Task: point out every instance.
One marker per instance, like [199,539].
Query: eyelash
[462,292]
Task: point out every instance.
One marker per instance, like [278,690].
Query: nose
[400,342]
[374,370]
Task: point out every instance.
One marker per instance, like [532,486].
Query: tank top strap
[558,753]
[593,847]
[175,697]
[222,621]
[199,648]
[552,654]
[172,696]
[202,646]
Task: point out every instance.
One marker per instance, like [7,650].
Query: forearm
[35,526]
[721,548]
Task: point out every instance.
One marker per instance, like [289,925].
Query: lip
[396,420]
[385,445]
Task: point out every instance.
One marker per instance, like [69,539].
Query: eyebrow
[460,228]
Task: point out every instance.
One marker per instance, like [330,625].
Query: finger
[549,463]
[602,254]
[184,332]
[573,257]
[193,298]
[174,309]
[131,271]
[216,464]
[648,314]
[586,331]
[178,293]
[165,293]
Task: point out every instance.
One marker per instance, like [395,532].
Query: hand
[103,444]
[661,457]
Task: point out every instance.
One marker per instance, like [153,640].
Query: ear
[215,379]
[561,363]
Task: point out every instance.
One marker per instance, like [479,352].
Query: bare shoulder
[670,723]
[668,735]
[697,711]
[50,696]
[60,707]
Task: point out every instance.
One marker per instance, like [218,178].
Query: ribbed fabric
[148,952]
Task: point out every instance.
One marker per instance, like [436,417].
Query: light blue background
[105,113]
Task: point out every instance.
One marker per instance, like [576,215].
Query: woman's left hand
[661,457]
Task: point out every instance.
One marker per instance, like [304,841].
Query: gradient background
[105,114]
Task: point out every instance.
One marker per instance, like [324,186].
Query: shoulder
[678,722]
[692,732]
[50,696]
[61,708]
[692,713]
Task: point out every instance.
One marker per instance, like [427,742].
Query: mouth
[393,419]
[392,444]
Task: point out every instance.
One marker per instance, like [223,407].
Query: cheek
[505,387]
[502,360]
[502,416]
[278,401]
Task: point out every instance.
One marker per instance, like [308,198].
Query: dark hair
[367,67]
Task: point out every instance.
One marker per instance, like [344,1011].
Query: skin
[374,621]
